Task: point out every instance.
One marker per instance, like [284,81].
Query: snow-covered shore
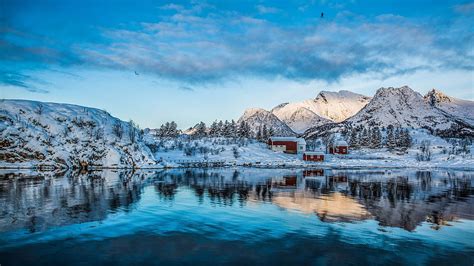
[256,154]
[35,135]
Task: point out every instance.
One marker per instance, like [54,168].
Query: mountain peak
[258,117]
[254,110]
[278,107]
[327,96]
[435,97]
[394,90]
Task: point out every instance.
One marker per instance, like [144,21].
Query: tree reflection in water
[394,198]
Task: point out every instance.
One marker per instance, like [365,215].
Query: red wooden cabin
[287,144]
[339,147]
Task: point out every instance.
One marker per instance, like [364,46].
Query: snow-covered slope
[298,118]
[326,108]
[257,117]
[402,107]
[463,109]
[335,106]
[63,135]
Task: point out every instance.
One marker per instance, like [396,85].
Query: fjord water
[237,216]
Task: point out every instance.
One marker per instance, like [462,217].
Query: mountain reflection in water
[242,204]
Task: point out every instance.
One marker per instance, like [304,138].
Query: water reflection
[404,199]
[37,201]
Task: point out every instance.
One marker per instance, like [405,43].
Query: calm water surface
[237,216]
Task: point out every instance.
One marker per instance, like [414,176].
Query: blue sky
[206,60]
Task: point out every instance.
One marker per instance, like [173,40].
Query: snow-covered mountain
[64,135]
[326,108]
[401,107]
[257,117]
[336,106]
[463,109]
[298,118]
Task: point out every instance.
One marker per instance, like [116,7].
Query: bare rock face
[463,109]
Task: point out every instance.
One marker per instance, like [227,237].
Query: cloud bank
[198,44]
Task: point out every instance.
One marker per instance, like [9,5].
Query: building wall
[342,149]
[314,158]
[278,148]
[290,146]
[339,150]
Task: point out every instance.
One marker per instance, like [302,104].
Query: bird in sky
[136,73]
[322,14]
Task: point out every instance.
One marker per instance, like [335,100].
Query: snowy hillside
[460,108]
[401,107]
[335,106]
[257,118]
[63,135]
[299,119]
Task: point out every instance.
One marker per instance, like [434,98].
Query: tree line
[375,138]
[228,129]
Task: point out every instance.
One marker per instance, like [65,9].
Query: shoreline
[327,166]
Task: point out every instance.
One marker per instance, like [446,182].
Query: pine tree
[220,129]
[244,130]
[259,133]
[213,129]
[173,129]
[240,130]
[375,138]
[354,139]
[365,138]
[264,133]
[233,129]
[201,130]
[405,140]
[248,131]
[271,132]
[390,141]
[226,130]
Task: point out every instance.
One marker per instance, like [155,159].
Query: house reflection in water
[286,182]
[313,172]
[334,207]
[395,199]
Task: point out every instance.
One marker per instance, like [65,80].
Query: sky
[191,61]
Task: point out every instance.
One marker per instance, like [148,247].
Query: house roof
[295,139]
[313,153]
[341,143]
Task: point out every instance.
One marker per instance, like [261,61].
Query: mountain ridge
[401,107]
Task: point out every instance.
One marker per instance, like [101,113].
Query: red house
[287,144]
[339,147]
[313,156]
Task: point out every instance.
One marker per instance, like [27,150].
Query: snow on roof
[295,139]
[314,153]
[341,143]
